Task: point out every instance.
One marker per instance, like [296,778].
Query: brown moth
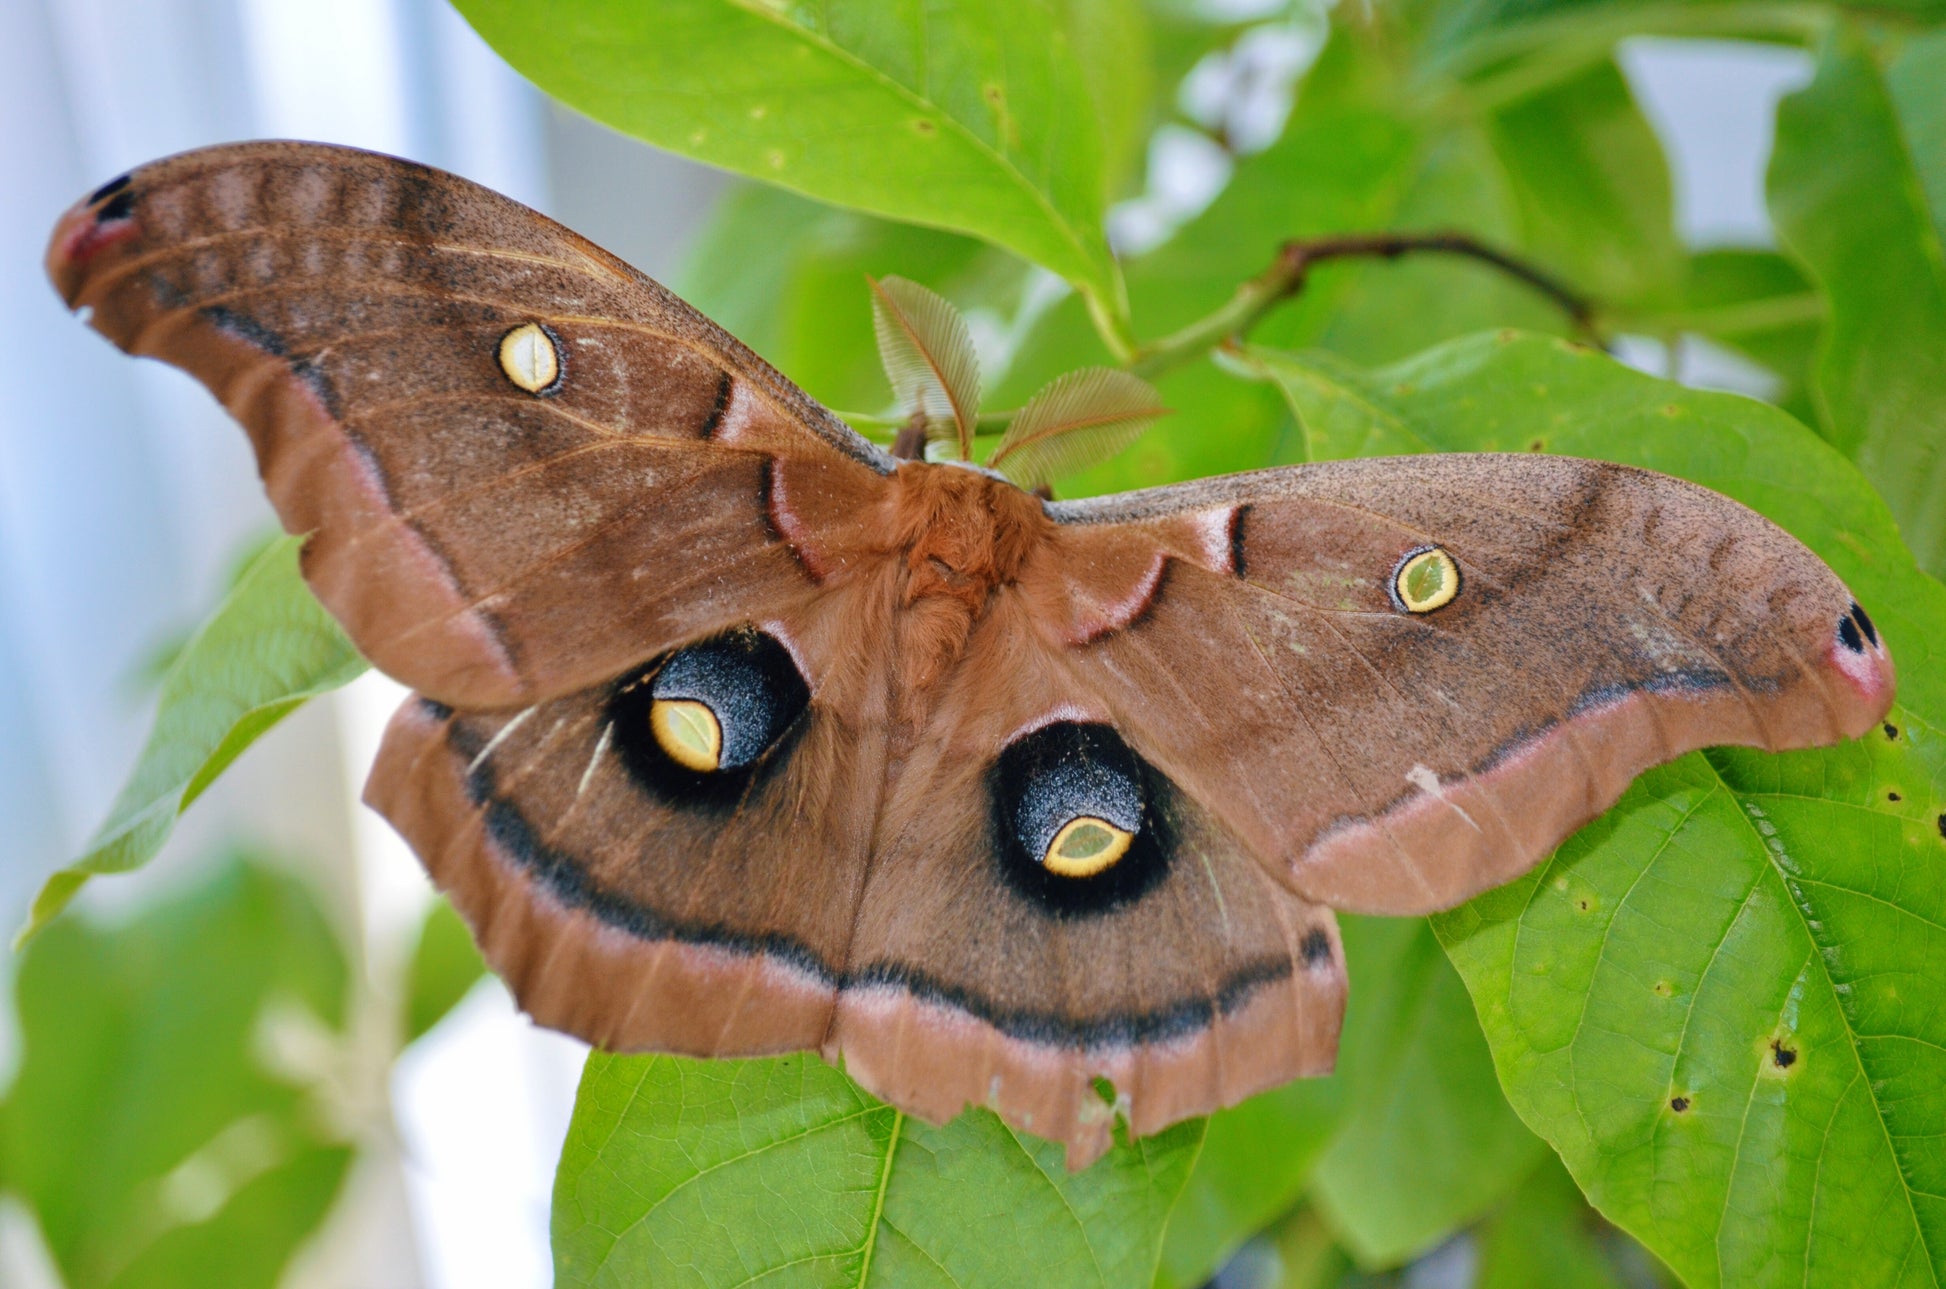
[736,735]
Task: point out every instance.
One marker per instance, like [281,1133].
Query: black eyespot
[1848,635]
[120,206]
[1063,772]
[754,692]
[1864,621]
[109,189]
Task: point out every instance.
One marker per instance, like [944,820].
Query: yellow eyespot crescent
[688,731]
[1085,846]
[529,358]
[1426,579]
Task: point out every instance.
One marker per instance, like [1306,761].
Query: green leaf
[786,275]
[445,966]
[1849,205]
[719,1173]
[1591,187]
[1758,304]
[1545,1234]
[1724,1002]
[1429,1143]
[268,647]
[145,1130]
[975,117]
[1257,1158]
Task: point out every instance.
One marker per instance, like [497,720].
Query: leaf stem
[1286,277]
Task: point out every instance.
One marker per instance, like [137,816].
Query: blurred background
[127,499]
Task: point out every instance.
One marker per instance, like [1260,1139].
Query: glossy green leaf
[146,1132]
[1428,1141]
[444,968]
[969,116]
[1724,1003]
[1849,204]
[718,1173]
[268,647]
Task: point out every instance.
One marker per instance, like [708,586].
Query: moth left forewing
[523,466]
[1419,675]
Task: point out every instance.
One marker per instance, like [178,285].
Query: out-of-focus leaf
[1723,1003]
[1332,171]
[929,357]
[144,1130]
[1592,188]
[1429,1142]
[1758,304]
[268,647]
[786,275]
[446,964]
[719,1173]
[970,116]
[1848,203]
[1075,421]
[1256,1160]
[1917,79]
[1545,1234]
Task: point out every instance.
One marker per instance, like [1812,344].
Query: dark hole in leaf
[1679,1104]
[1893,796]
[1538,445]
[1942,825]
[1582,904]
[1782,1055]
[1891,730]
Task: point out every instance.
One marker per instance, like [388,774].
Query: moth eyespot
[1077,828]
[1085,846]
[530,356]
[689,732]
[693,726]
[1425,579]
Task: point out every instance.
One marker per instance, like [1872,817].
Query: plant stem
[1285,278]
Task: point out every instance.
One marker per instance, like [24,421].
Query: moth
[735,734]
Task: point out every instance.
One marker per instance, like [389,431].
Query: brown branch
[1286,277]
